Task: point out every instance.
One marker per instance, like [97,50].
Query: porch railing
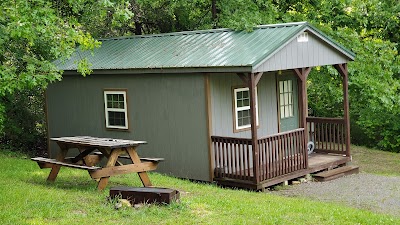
[279,154]
[233,158]
[328,134]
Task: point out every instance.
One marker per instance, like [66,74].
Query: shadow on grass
[79,182]
[66,183]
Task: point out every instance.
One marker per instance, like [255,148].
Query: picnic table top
[97,142]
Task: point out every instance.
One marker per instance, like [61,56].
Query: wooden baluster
[343,138]
[264,144]
[270,158]
[280,155]
[216,159]
[272,152]
[260,156]
[334,137]
[330,136]
[223,162]
[229,152]
[239,158]
[247,165]
[338,136]
[285,152]
[317,138]
[291,152]
[323,136]
[235,151]
[326,136]
[218,144]
[290,158]
[264,149]
[298,151]
[267,158]
[277,156]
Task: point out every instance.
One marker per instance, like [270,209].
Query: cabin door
[287,102]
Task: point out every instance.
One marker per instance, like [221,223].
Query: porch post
[254,139]
[342,69]
[302,74]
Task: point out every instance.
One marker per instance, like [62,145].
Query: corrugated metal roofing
[194,49]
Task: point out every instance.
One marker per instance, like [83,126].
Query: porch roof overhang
[212,51]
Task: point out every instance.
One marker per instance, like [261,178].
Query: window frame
[107,92]
[236,109]
[283,106]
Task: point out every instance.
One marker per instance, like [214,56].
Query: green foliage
[245,14]
[32,35]
[25,128]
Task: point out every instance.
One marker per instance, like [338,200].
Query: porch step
[336,173]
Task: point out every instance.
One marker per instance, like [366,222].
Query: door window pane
[286,99]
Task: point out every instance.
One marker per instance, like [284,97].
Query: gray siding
[222,100]
[315,52]
[168,111]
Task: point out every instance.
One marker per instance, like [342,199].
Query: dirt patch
[365,191]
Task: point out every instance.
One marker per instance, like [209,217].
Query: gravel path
[365,191]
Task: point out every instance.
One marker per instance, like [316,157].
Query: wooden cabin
[218,105]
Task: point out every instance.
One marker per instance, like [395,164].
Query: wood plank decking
[316,162]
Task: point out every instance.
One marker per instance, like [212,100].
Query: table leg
[56,168]
[112,159]
[135,159]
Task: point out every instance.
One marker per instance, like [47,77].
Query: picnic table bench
[92,150]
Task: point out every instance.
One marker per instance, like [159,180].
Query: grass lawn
[26,198]
[376,161]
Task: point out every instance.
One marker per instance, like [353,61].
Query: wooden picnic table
[92,150]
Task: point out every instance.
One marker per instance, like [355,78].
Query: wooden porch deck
[322,161]
[280,157]
[316,162]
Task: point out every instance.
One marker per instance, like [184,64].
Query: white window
[303,37]
[286,98]
[242,108]
[116,109]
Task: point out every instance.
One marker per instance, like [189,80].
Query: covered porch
[260,162]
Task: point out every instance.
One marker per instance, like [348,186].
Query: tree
[33,34]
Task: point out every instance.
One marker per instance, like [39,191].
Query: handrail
[232,139]
[325,120]
[281,133]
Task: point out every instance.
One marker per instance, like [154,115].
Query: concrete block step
[336,173]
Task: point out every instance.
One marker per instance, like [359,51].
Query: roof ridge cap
[219,30]
[282,25]
[202,31]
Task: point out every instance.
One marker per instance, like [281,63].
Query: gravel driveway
[365,191]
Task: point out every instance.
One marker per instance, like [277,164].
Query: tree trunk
[214,12]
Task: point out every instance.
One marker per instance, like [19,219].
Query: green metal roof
[207,49]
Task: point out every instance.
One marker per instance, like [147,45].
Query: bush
[24,127]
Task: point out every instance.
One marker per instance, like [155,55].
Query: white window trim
[283,104]
[107,110]
[237,109]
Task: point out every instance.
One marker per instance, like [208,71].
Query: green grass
[26,198]
[376,161]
